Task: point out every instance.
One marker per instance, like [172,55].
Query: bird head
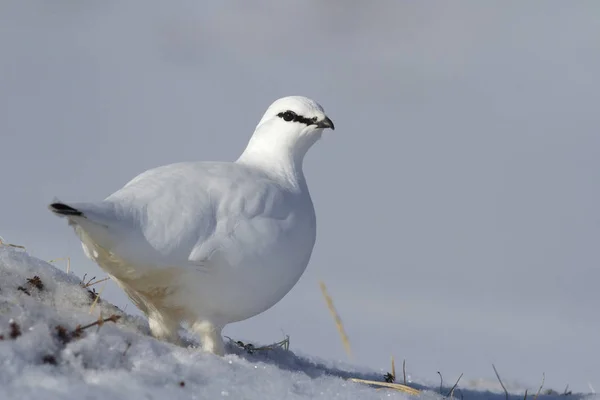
[296,115]
[289,127]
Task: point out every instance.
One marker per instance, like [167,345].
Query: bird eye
[288,115]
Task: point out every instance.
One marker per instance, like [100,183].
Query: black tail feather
[63,209]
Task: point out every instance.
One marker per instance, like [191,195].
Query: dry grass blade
[541,386]
[63,258]
[3,243]
[500,380]
[404,370]
[390,377]
[97,298]
[396,386]
[338,320]
[93,282]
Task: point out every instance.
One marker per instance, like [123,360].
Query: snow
[121,361]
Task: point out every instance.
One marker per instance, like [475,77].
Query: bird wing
[181,215]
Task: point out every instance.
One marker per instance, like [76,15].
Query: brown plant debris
[93,294]
[49,359]
[15,330]
[24,290]
[99,322]
[65,336]
[36,282]
[389,378]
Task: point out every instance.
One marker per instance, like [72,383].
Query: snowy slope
[44,355]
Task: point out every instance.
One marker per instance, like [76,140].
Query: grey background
[457,200]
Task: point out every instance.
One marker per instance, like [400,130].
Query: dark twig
[451,392]
[93,282]
[500,380]
[441,381]
[525,398]
[65,336]
[404,370]
[86,284]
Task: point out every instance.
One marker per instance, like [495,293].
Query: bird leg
[164,328]
[210,335]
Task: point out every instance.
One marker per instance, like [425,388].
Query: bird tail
[65,210]
[91,222]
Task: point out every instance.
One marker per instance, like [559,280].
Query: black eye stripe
[292,116]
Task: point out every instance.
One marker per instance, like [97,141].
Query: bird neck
[279,154]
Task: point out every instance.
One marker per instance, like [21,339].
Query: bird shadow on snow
[287,360]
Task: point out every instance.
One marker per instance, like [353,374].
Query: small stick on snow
[404,370]
[88,282]
[99,322]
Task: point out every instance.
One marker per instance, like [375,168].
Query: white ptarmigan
[210,243]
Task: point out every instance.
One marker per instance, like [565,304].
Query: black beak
[326,123]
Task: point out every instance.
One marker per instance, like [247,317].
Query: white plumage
[210,243]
